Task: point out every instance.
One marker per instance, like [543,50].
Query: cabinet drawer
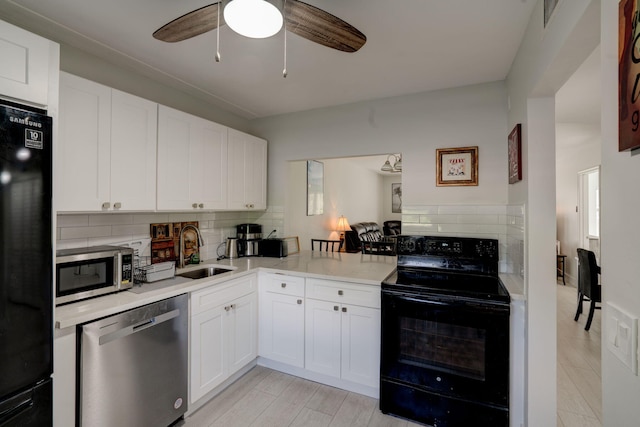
[343,292]
[283,284]
[221,293]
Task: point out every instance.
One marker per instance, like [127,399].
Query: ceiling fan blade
[190,24]
[322,27]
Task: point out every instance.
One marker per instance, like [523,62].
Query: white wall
[349,190]
[91,67]
[578,148]
[414,125]
[620,246]
[545,60]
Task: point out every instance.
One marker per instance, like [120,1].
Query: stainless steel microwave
[88,272]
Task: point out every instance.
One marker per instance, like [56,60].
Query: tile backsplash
[81,230]
[502,222]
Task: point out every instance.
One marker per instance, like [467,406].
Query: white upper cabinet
[134,130]
[82,155]
[106,154]
[192,162]
[247,171]
[119,152]
[27,60]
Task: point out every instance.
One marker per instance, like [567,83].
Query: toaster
[275,248]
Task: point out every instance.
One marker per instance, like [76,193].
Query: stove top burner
[448,267]
[444,283]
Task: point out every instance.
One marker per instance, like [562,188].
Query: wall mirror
[315,188]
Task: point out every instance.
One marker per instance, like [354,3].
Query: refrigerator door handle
[16,409]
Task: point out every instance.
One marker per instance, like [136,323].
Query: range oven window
[444,347]
[79,276]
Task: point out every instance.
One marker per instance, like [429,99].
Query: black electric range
[445,333]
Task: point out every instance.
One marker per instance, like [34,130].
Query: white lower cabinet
[281,319]
[323,337]
[343,341]
[223,333]
[342,330]
[320,329]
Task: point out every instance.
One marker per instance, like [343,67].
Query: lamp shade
[387,167]
[397,164]
[343,224]
[257,19]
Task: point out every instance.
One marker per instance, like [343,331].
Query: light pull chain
[218,35]
[284,12]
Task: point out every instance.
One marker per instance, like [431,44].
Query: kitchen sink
[204,272]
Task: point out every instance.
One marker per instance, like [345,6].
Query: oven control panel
[451,247]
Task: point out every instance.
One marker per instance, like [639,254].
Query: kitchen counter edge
[356,269]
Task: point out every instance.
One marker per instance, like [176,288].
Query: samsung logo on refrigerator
[25,122]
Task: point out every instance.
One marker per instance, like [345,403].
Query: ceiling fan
[300,18]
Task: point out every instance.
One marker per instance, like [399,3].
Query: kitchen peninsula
[312,314]
[348,267]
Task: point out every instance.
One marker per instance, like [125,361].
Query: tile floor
[579,378]
[269,398]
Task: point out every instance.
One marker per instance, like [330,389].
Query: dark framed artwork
[396,198]
[515,155]
[456,166]
[315,188]
[628,77]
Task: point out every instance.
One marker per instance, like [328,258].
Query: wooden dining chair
[326,244]
[588,287]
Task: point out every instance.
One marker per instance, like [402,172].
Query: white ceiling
[579,99]
[412,46]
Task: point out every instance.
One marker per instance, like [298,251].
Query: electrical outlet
[621,335]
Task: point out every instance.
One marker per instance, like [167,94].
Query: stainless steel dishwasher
[133,367]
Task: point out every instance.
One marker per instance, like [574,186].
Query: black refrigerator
[26,262]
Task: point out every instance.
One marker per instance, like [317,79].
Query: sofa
[362,232]
[392,228]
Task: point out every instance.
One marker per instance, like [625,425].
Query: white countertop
[514,285]
[350,267]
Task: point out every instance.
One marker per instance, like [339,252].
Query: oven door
[76,280]
[448,346]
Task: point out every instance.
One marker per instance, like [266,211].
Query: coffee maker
[249,237]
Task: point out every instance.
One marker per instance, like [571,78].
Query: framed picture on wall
[315,188]
[457,166]
[396,198]
[628,72]
[515,155]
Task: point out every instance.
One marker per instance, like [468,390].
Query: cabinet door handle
[106,205]
[299,301]
[117,205]
[336,308]
[233,306]
[344,309]
[195,205]
[227,308]
[340,292]
[283,285]
[201,205]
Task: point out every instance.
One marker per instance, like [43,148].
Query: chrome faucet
[181,244]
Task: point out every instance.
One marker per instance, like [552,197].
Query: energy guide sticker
[33,139]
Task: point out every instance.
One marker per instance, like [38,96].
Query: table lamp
[343,225]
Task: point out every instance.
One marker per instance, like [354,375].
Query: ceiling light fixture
[397,164]
[257,19]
